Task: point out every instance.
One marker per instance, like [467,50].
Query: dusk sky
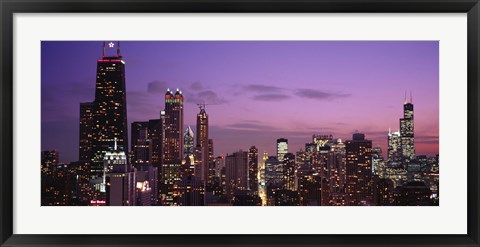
[259,90]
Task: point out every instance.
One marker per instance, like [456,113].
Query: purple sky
[260,90]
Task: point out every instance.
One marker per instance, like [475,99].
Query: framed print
[239,123]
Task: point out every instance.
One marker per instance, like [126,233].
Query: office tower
[140,144]
[156,135]
[359,171]
[406,131]
[50,160]
[202,140]
[110,108]
[282,148]
[86,137]
[394,147]
[173,140]
[253,169]
[118,179]
[274,172]
[236,171]
[188,139]
[289,172]
[378,164]
[210,165]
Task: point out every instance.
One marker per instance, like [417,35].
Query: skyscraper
[359,171]
[236,169]
[140,145]
[188,138]
[202,140]
[406,131]
[86,136]
[394,147]
[173,141]
[253,168]
[282,148]
[118,179]
[110,108]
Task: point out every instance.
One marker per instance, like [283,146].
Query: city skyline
[263,106]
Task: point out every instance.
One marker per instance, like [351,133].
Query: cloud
[206,96]
[262,88]
[196,86]
[249,126]
[426,139]
[157,87]
[318,94]
[271,97]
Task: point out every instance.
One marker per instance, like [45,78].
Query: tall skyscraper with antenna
[406,130]
[173,141]
[108,118]
[202,140]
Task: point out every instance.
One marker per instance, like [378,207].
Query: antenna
[103,51]
[405,98]
[118,49]
[411,99]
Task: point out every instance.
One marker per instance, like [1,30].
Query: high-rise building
[118,179]
[378,164]
[109,109]
[202,140]
[359,171]
[140,143]
[188,139]
[86,137]
[289,172]
[406,131]
[253,169]
[274,172]
[173,140]
[282,148]
[156,135]
[236,170]
[394,147]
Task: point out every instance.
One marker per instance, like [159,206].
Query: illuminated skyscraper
[118,179]
[110,108]
[173,141]
[394,147]
[289,172]
[359,171]
[253,169]
[406,131]
[282,148]
[140,145]
[202,140]
[188,145]
[236,169]
[86,135]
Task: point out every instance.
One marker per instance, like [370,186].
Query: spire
[103,50]
[118,49]
[411,100]
[389,131]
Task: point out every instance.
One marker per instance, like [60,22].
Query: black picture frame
[10,7]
